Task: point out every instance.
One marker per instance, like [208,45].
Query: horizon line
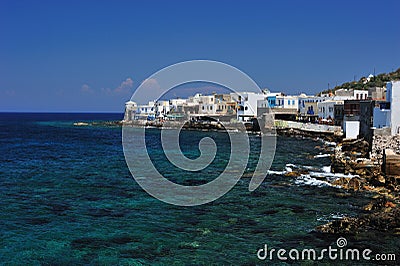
[63,112]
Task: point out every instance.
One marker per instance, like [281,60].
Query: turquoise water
[67,198]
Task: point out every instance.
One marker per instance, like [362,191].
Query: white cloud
[149,90]
[150,83]
[86,89]
[124,88]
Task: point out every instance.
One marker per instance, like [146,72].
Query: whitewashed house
[350,94]
[162,109]
[207,104]
[287,102]
[247,104]
[306,101]
[194,100]
[387,115]
[326,109]
[360,94]
[175,103]
[146,111]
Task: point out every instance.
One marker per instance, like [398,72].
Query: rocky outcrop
[99,123]
[381,214]
[365,173]
[351,158]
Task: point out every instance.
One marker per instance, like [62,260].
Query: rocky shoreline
[364,170]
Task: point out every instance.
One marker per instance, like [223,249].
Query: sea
[68,198]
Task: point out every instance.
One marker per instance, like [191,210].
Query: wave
[329,143]
[331,217]
[322,155]
[331,176]
[320,177]
[271,172]
[326,169]
[311,181]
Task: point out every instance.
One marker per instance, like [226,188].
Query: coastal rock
[342,181]
[358,148]
[382,215]
[296,173]
[354,184]
[353,157]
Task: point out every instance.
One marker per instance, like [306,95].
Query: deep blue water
[67,198]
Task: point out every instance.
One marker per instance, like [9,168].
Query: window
[246,108]
[202,107]
[211,107]
[292,102]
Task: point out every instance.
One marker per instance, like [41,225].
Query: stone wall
[282,124]
[382,142]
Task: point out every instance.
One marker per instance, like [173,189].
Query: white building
[162,108]
[130,109]
[394,95]
[247,104]
[352,129]
[350,94]
[360,94]
[287,102]
[175,103]
[207,104]
[146,111]
[326,109]
[388,113]
[304,99]
[194,100]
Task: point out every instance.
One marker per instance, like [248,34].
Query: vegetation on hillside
[363,84]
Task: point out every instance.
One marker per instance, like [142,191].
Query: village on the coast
[361,129]
[351,112]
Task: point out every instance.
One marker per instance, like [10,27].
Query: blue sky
[90,55]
